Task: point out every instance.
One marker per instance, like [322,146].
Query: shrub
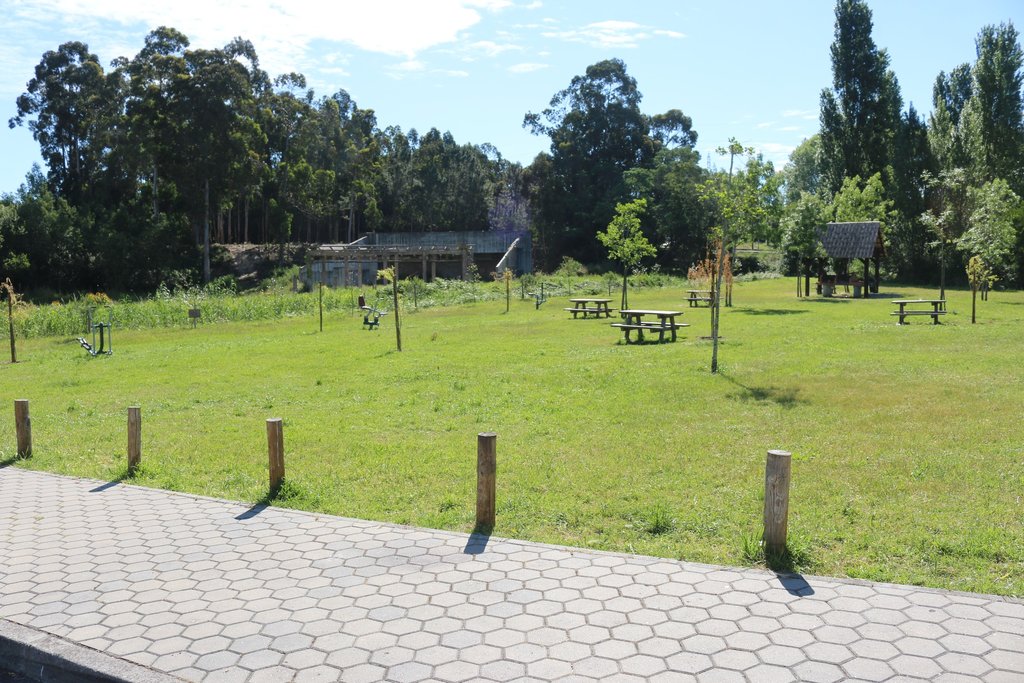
[570,267]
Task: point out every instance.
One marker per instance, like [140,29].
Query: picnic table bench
[696,297]
[599,308]
[938,308]
[634,322]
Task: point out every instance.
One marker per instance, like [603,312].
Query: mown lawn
[908,454]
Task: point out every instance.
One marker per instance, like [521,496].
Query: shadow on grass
[830,300]
[770,311]
[286,491]
[477,541]
[7,462]
[787,398]
[784,563]
[652,340]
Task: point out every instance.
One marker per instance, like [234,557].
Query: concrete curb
[51,659]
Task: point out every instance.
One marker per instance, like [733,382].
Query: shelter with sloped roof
[428,255]
[863,240]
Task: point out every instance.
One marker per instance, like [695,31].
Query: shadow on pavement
[253,511]
[477,541]
[795,584]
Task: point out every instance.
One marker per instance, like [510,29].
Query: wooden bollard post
[23,427]
[134,438]
[776,500]
[486,468]
[275,448]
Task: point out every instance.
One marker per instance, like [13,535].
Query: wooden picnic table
[634,322]
[599,308]
[696,297]
[938,308]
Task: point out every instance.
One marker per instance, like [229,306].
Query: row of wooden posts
[776,480]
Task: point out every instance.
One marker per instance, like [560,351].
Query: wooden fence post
[776,500]
[134,438]
[275,447]
[23,427]
[486,468]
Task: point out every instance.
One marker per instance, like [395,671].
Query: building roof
[853,240]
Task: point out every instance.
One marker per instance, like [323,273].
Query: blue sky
[745,69]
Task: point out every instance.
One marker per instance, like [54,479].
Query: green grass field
[908,454]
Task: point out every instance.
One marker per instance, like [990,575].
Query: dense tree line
[157,156]
[946,189]
[149,161]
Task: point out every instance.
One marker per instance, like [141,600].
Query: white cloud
[611,34]
[789,129]
[284,34]
[492,49]
[806,114]
[410,66]
[14,80]
[527,67]
[766,124]
[775,152]
[773,147]
[414,68]
[491,5]
[334,71]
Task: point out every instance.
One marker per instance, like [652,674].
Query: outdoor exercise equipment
[105,329]
[540,297]
[371,314]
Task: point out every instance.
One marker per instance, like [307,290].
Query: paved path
[212,591]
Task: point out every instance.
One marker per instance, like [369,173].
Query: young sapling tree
[731,209]
[12,300]
[391,276]
[625,242]
[980,276]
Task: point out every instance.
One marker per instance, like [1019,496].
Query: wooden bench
[585,311]
[650,327]
[696,297]
[634,322]
[938,308]
[599,308]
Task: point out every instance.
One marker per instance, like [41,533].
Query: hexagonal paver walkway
[210,590]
